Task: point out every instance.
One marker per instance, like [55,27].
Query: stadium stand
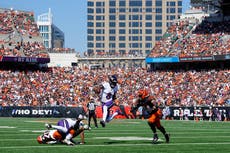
[196,35]
[178,84]
[20,39]
[71,85]
[178,30]
[207,38]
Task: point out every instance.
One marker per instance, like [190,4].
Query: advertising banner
[201,113]
[178,113]
[174,113]
[162,60]
[71,112]
[196,58]
[24,59]
[222,57]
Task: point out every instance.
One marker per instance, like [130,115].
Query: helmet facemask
[112,81]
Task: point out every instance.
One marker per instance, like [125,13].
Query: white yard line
[113,145]
[131,138]
[7,127]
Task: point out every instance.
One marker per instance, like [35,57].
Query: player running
[154,113]
[108,91]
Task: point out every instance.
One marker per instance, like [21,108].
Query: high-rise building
[52,36]
[128,26]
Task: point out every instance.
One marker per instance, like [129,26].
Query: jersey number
[109,96]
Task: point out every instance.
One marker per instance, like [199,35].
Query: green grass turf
[18,135]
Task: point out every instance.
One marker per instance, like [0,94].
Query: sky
[70,16]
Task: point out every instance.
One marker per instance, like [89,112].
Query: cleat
[68,142]
[48,126]
[167,138]
[102,123]
[86,127]
[155,138]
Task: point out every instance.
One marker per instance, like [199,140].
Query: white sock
[105,113]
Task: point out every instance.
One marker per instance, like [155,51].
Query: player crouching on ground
[66,130]
[154,113]
[54,137]
[78,129]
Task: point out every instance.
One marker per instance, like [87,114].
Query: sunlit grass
[120,136]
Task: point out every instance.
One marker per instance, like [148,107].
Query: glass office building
[128,26]
[52,36]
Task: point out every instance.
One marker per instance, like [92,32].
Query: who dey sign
[47,111]
[31,112]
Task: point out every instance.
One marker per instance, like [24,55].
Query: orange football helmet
[143,93]
[39,139]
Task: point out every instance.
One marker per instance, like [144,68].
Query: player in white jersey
[65,126]
[108,92]
[55,136]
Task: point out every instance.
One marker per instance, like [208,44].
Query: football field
[18,135]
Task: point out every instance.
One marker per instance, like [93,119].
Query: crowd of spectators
[33,49]
[21,21]
[14,27]
[24,49]
[72,86]
[178,30]
[206,39]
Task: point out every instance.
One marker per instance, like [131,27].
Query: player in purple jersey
[107,92]
[65,125]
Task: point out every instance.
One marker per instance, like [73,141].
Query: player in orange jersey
[154,113]
[50,137]
[55,136]
[66,130]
